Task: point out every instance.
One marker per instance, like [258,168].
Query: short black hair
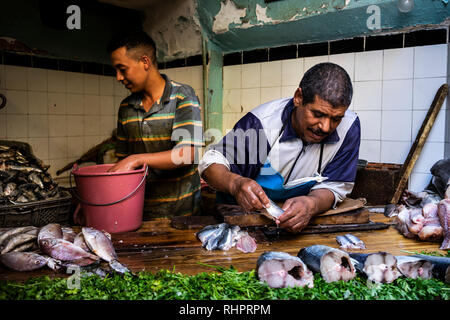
[136,40]
[330,82]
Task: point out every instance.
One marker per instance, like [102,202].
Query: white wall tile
[418,181]
[370,150]
[396,125]
[38,126]
[17,102]
[394,151]
[106,105]
[312,61]
[57,148]
[367,95]
[232,77]
[291,72]
[430,61]
[56,81]
[91,125]
[57,103]
[370,124]
[57,125]
[271,74]
[91,84]
[431,152]
[197,77]
[75,103]
[37,102]
[75,125]
[16,126]
[250,99]
[15,78]
[91,104]
[251,75]
[398,64]
[288,92]
[424,91]
[75,147]
[75,82]
[368,65]
[106,84]
[39,147]
[346,61]
[89,142]
[107,124]
[232,101]
[437,132]
[37,79]
[269,94]
[397,94]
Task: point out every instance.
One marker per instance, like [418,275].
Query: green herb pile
[224,284]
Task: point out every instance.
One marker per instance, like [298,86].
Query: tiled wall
[62,114]
[393,90]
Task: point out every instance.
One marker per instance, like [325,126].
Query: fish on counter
[432,229]
[64,250]
[333,264]
[414,267]
[273,211]
[223,236]
[280,270]
[50,231]
[444,218]
[380,267]
[102,246]
[349,241]
[441,266]
[21,240]
[23,261]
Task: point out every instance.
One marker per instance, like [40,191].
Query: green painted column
[213,91]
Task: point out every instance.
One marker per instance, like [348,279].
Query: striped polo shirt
[173,121]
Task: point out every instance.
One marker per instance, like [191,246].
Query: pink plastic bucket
[111,201]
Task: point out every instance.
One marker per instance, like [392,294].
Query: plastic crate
[36,213]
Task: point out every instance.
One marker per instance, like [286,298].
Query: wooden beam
[421,137]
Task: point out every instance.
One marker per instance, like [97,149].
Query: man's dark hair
[137,44]
[330,82]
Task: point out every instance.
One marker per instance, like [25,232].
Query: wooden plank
[355,216]
[235,215]
[421,137]
[345,206]
[192,222]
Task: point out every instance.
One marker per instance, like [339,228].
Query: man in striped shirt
[159,125]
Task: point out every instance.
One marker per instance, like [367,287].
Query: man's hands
[129,163]
[249,194]
[297,213]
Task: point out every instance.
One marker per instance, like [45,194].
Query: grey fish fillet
[4,237]
[380,267]
[63,250]
[280,270]
[211,235]
[213,241]
[441,266]
[444,218]
[333,264]
[414,267]
[23,261]
[102,246]
[19,240]
[228,239]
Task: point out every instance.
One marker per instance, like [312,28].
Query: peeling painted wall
[174,28]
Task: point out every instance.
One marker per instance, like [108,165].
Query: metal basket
[36,213]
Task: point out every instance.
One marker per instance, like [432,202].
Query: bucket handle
[103,204]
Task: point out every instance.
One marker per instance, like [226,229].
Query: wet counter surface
[156,245]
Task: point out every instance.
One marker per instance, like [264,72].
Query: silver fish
[63,250]
[34,177]
[99,243]
[19,240]
[211,235]
[79,241]
[273,211]
[68,234]
[350,241]
[23,261]
[9,189]
[50,231]
[380,267]
[280,269]
[333,264]
[228,240]
[4,237]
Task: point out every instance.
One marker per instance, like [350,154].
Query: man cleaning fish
[159,126]
[302,151]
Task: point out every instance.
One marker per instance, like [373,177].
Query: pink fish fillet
[415,222]
[444,217]
[402,221]
[432,229]
[246,243]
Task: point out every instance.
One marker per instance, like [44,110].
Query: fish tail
[117,266]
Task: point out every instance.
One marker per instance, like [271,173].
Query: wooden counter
[156,245]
